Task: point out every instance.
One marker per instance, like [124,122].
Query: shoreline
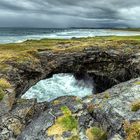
[72,38]
[21,35]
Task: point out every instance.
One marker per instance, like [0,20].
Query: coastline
[114,64]
[18,35]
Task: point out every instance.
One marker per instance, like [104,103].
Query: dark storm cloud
[68,13]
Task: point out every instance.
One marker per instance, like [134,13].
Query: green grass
[4,83]
[64,123]
[28,50]
[69,123]
[135,106]
[1,94]
[137,83]
[96,133]
[65,110]
[132,130]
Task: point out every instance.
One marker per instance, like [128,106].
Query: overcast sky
[70,13]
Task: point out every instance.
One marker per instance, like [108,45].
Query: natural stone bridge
[107,68]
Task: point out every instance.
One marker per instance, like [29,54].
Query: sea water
[59,85]
[16,35]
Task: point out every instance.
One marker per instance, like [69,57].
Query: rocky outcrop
[114,107]
[106,113]
[14,122]
[65,118]
[113,66]
[102,116]
[107,68]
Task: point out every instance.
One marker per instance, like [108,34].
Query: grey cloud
[67,13]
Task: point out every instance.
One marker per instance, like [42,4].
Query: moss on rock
[69,122]
[135,106]
[106,95]
[132,130]
[137,83]
[64,123]
[66,111]
[1,94]
[4,83]
[74,138]
[96,133]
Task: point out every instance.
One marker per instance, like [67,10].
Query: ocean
[58,85]
[16,35]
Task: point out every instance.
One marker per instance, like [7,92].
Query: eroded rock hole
[61,85]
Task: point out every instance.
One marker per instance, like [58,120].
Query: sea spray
[59,85]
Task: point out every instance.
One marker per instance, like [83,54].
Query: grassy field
[26,51]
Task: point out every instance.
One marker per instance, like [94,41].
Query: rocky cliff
[113,113]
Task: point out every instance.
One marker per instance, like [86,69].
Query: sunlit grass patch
[132,130]
[64,123]
[29,50]
[96,133]
[4,83]
[1,94]
[137,83]
[135,106]
[66,111]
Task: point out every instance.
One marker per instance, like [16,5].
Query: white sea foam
[20,35]
[59,85]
